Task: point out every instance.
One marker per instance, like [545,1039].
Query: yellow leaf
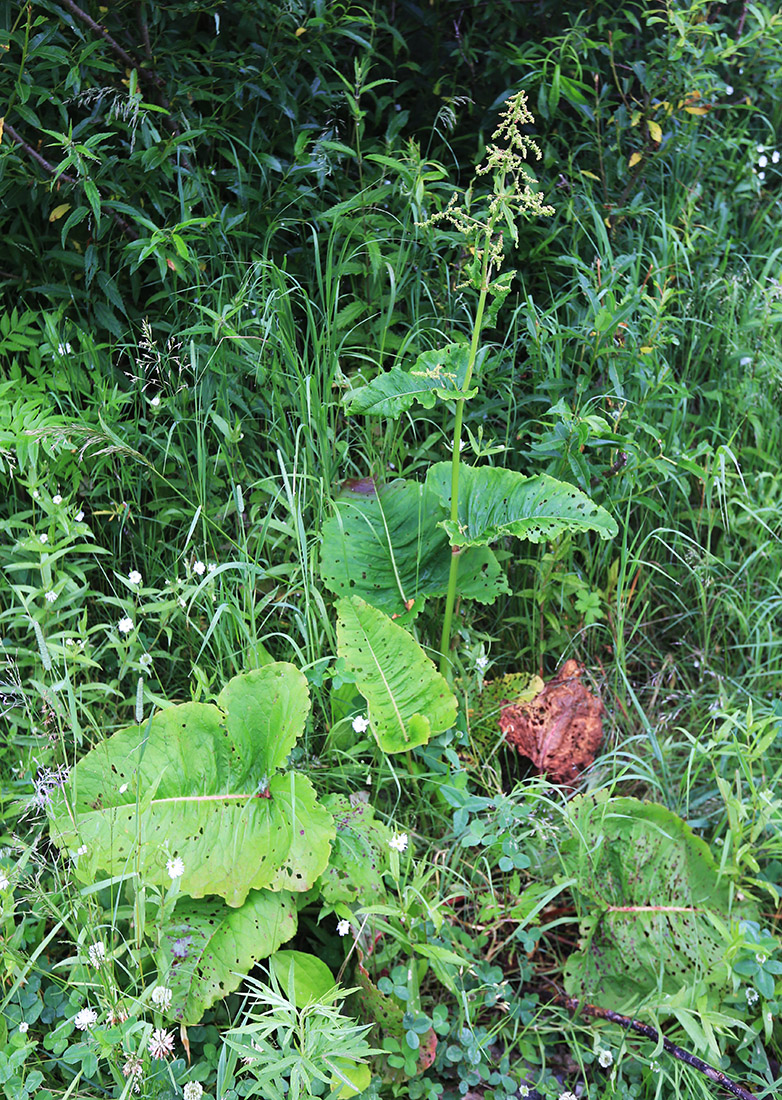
[591,175]
[59,211]
[655,130]
[697,110]
[2,124]
[300,31]
[636,118]
[646,350]
[636,158]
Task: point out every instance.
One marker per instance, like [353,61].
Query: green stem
[450,599]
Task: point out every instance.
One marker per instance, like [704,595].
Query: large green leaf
[207,948]
[645,886]
[494,502]
[193,784]
[303,977]
[436,375]
[384,545]
[408,699]
[359,856]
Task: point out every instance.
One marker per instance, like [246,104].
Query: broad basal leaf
[192,784]
[494,502]
[384,545]
[359,855]
[408,699]
[207,948]
[435,375]
[645,887]
[303,977]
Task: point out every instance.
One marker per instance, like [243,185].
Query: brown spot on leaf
[561,729]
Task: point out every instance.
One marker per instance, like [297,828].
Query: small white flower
[161,996]
[482,663]
[124,626]
[343,927]
[86,1018]
[752,996]
[523,1090]
[360,724]
[745,362]
[193,1090]
[199,568]
[762,162]
[79,515]
[567,1096]
[51,597]
[211,567]
[44,539]
[728,89]
[24,1027]
[775,157]
[368,779]
[175,867]
[36,495]
[155,401]
[761,176]
[760,959]
[56,499]
[761,148]
[82,851]
[134,576]
[65,349]
[605,1058]
[462,444]
[399,842]
[97,953]
[145,660]
[161,1044]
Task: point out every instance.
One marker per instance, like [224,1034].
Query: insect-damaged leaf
[408,699]
[494,502]
[197,783]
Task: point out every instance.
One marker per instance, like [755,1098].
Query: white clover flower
[24,1027]
[761,176]
[133,1068]
[175,867]
[51,597]
[199,568]
[79,515]
[97,954]
[145,660]
[124,626]
[82,850]
[605,1058]
[211,567]
[762,162]
[343,927]
[85,1019]
[155,401]
[161,996]
[161,1044]
[193,1090]
[728,89]
[134,576]
[360,724]
[775,157]
[752,996]
[399,842]
[56,499]
[44,539]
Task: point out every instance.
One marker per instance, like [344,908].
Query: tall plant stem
[453,574]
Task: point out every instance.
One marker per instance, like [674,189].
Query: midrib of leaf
[368,641]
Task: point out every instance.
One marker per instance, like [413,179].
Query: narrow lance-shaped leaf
[408,699]
[494,502]
[436,375]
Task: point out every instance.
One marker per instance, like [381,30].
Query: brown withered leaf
[560,730]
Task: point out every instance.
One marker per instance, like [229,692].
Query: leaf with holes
[383,544]
[195,783]
[494,502]
[436,375]
[359,855]
[206,947]
[645,886]
[408,699]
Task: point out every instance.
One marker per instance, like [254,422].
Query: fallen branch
[627,1022]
